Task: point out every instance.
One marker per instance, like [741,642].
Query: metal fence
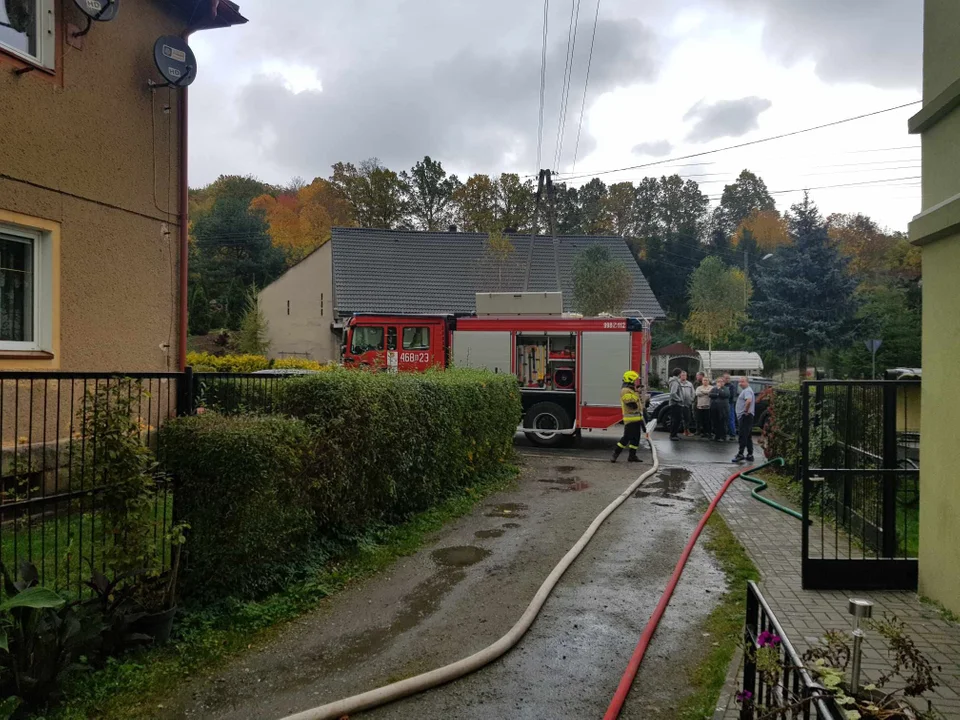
[860,470]
[51,475]
[792,693]
[52,472]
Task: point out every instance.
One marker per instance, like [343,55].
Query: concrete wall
[92,151]
[299,309]
[937,230]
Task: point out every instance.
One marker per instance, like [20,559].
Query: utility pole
[552,224]
[541,178]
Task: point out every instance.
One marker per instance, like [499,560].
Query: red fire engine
[568,367]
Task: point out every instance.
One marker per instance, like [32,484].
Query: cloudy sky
[305,84]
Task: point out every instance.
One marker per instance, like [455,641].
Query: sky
[306,84]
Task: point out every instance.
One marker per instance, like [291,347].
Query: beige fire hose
[455,670]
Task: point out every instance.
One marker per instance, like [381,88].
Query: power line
[543,81]
[586,83]
[748,143]
[567,78]
[840,185]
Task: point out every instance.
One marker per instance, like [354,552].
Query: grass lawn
[725,623]
[65,546]
[130,686]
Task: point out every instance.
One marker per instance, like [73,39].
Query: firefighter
[631,405]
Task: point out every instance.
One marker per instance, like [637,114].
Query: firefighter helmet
[630,376]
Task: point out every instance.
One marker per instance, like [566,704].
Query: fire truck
[568,367]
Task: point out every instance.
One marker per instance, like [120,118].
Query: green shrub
[207,362]
[243,492]
[386,445]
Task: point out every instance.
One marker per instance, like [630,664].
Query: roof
[677,348]
[225,13]
[731,360]
[399,271]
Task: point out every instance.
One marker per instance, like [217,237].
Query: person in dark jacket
[734,389]
[720,410]
[676,404]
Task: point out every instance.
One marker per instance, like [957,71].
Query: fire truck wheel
[547,416]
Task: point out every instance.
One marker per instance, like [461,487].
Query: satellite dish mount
[96,11]
[175,61]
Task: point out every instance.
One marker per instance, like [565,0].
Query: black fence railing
[790,692]
[53,469]
[53,473]
[860,469]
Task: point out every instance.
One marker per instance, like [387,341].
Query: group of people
[723,409]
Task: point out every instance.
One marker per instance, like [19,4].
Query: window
[391,338]
[416,338]
[366,339]
[27,29]
[25,303]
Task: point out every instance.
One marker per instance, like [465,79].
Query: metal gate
[860,467]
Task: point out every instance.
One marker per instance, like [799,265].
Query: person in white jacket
[688,394]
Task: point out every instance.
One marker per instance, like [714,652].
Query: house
[93,184]
[391,271]
[675,355]
[735,362]
[936,229]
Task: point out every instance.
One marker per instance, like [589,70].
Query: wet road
[468,586]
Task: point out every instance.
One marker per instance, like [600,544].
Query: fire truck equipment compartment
[604,355]
[482,350]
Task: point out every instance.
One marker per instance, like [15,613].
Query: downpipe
[453,671]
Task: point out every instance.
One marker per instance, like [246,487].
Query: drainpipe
[185,200]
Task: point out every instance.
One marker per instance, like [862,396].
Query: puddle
[507,510]
[511,525]
[642,494]
[671,480]
[660,504]
[460,556]
[565,469]
[573,486]
[680,497]
[495,532]
[566,480]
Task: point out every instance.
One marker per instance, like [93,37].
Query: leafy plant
[601,282]
[252,338]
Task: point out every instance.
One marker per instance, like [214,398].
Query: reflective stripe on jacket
[630,404]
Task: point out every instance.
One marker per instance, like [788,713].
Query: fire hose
[626,681]
[455,670]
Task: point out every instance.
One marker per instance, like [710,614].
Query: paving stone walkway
[772,540]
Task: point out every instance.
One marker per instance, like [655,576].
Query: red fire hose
[626,682]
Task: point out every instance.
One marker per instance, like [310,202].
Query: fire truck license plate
[415,357]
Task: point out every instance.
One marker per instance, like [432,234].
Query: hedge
[207,362]
[386,445]
[242,489]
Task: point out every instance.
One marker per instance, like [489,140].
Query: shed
[735,362]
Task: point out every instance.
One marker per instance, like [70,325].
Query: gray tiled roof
[440,272]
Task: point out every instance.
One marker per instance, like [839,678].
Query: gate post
[185,392]
[889,465]
[805,475]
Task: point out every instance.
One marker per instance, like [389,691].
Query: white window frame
[46,38]
[42,302]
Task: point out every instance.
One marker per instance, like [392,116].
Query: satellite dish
[175,60]
[100,10]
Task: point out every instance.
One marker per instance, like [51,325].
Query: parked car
[659,404]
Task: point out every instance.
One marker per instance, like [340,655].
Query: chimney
[452,228]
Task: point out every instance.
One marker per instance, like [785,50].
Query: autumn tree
[377,195]
[806,292]
[716,298]
[601,282]
[252,338]
[497,250]
[431,194]
[476,204]
[567,206]
[301,222]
